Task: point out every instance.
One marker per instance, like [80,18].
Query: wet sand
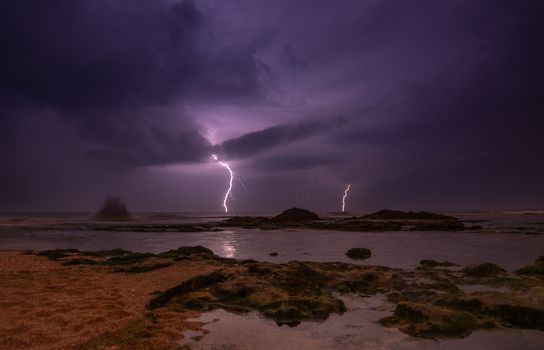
[49,306]
[356,329]
[46,305]
[504,240]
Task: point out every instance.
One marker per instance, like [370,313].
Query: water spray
[344,198]
[228,193]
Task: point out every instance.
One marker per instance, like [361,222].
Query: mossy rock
[129,258]
[537,269]
[459,303]
[359,253]
[75,262]
[193,284]
[531,270]
[128,262]
[443,225]
[287,315]
[431,264]
[106,253]
[57,254]
[188,253]
[288,293]
[428,321]
[412,296]
[519,316]
[143,267]
[483,270]
[246,221]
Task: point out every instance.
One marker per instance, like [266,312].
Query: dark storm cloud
[291,59]
[79,54]
[288,162]
[444,98]
[257,142]
[106,66]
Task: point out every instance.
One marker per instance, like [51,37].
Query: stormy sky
[421,104]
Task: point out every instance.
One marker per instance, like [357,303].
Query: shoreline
[49,306]
[92,300]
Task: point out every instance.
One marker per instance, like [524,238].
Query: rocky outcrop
[113,210]
[359,253]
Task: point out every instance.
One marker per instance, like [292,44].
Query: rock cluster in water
[387,214]
[429,302]
[113,210]
[381,221]
[359,253]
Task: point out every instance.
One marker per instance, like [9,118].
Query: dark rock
[295,215]
[143,267]
[412,295]
[443,225]
[459,303]
[57,254]
[427,321]
[359,253]
[106,253]
[273,254]
[430,264]
[483,270]
[520,316]
[533,270]
[74,262]
[130,258]
[357,225]
[193,284]
[113,210]
[246,221]
[289,315]
[386,214]
[188,253]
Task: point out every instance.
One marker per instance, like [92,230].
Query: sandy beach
[49,306]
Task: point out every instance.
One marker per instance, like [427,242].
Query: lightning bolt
[344,198]
[229,190]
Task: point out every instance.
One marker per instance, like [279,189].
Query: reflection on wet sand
[228,244]
[355,329]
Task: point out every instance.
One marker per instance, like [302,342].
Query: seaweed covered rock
[519,316]
[113,210]
[246,221]
[287,293]
[295,215]
[429,302]
[441,225]
[387,214]
[431,264]
[359,253]
[483,270]
[537,269]
[357,225]
[382,221]
[189,253]
[430,321]
[288,218]
[120,260]
[57,254]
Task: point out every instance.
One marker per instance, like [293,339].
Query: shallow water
[394,249]
[502,241]
[356,329]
